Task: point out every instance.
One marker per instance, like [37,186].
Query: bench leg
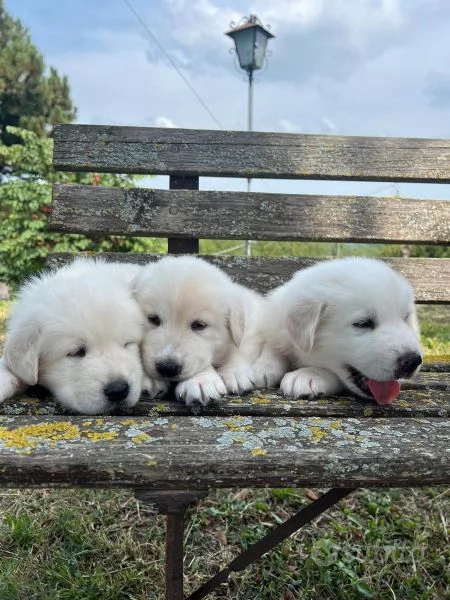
[173,505]
[274,537]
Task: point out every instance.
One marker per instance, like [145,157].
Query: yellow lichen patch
[344,401]
[237,424]
[100,436]
[403,403]
[151,461]
[317,434]
[173,426]
[335,425]
[259,399]
[100,421]
[128,422]
[238,440]
[141,437]
[368,412]
[258,452]
[31,435]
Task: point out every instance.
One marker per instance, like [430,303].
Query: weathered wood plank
[430,277]
[416,401]
[249,154]
[242,215]
[426,395]
[199,452]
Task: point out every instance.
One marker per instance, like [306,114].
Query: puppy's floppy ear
[302,322]
[21,353]
[236,321]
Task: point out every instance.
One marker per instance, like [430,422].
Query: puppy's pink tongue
[384,392]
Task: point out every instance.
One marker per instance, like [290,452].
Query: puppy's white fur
[318,328]
[77,332]
[200,331]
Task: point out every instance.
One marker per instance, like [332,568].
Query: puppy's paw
[202,388]
[268,373]
[309,382]
[153,388]
[10,385]
[237,379]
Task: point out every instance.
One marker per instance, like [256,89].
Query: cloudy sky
[352,67]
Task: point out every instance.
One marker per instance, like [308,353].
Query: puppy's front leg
[310,382]
[238,376]
[269,368]
[202,388]
[10,385]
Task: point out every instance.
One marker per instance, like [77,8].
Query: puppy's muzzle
[407,363]
[117,390]
[168,368]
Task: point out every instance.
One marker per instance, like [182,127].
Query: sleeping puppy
[346,324]
[200,329]
[77,331]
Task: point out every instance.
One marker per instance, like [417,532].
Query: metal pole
[174,555]
[248,247]
[250,101]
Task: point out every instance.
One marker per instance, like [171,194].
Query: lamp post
[250,38]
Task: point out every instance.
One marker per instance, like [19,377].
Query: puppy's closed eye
[154,320]
[365,324]
[78,352]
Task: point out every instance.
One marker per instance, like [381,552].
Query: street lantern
[250,39]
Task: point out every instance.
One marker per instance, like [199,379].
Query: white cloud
[164,122]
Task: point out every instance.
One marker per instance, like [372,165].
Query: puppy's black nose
[168,368]
[116,390]
[407,363]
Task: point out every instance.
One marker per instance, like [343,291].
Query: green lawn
[101,545]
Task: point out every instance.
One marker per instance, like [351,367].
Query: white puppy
[200,330]
[77,332]
[342,324]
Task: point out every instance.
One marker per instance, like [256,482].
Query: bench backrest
[184,214]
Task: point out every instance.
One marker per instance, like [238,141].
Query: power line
[180,73]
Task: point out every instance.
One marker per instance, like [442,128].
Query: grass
[103,545]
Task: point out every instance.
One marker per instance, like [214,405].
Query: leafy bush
[25,199]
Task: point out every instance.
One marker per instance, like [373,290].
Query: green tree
[25,199]
[29,98]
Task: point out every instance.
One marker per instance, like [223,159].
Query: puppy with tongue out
[346,324]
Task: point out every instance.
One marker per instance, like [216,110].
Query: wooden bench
[171,457]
